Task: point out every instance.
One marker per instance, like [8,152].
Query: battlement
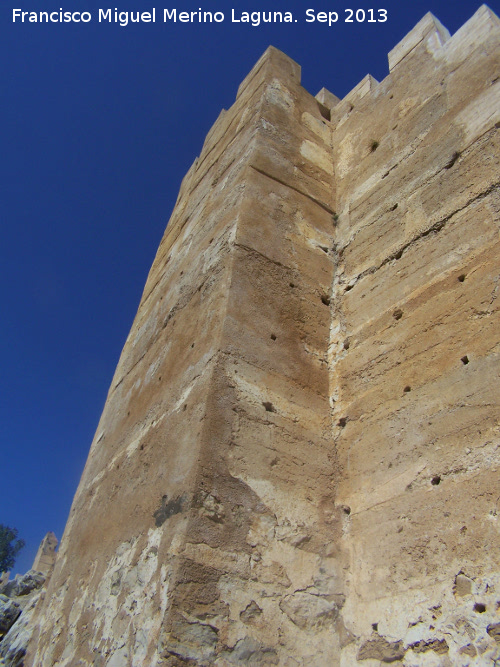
[431,37]
[428,30]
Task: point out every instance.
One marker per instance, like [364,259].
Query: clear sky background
[99,123]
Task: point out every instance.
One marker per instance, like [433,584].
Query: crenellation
[327,98]
[364,87]
[428,31]
[480,31]
[272,60]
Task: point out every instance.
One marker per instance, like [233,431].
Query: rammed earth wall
[297,463]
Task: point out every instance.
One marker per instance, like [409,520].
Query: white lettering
[256,18]
[105,15]
[124,18]
[321,17]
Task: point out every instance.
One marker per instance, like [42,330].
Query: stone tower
[46,554]
[297,463]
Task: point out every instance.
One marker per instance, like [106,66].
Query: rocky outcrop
[9,613]
[18,599]
[24,584]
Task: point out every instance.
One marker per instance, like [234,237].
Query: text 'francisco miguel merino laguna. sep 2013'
[173,15]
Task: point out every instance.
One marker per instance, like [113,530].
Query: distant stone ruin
[46,555]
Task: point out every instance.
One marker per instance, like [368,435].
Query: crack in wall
[433,229]
[324,206]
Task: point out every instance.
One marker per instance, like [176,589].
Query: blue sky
[99,125]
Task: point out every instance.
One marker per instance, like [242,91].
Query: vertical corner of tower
[271,63]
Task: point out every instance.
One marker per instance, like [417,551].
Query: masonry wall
[297,462]
[204,522]
[415,348]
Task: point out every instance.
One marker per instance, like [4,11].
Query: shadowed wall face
[296,462]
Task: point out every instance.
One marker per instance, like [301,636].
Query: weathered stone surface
[302,431]
[251,612]
[9,611]
[308,610]
[46,555]
[436,645]
[249,651]
[18,600]
[463,585]
[415,297]
[25,584]
[494,631]
[380,649]
[14,644]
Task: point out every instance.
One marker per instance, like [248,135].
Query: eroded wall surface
[297,463]
[415,349]
[204,525]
